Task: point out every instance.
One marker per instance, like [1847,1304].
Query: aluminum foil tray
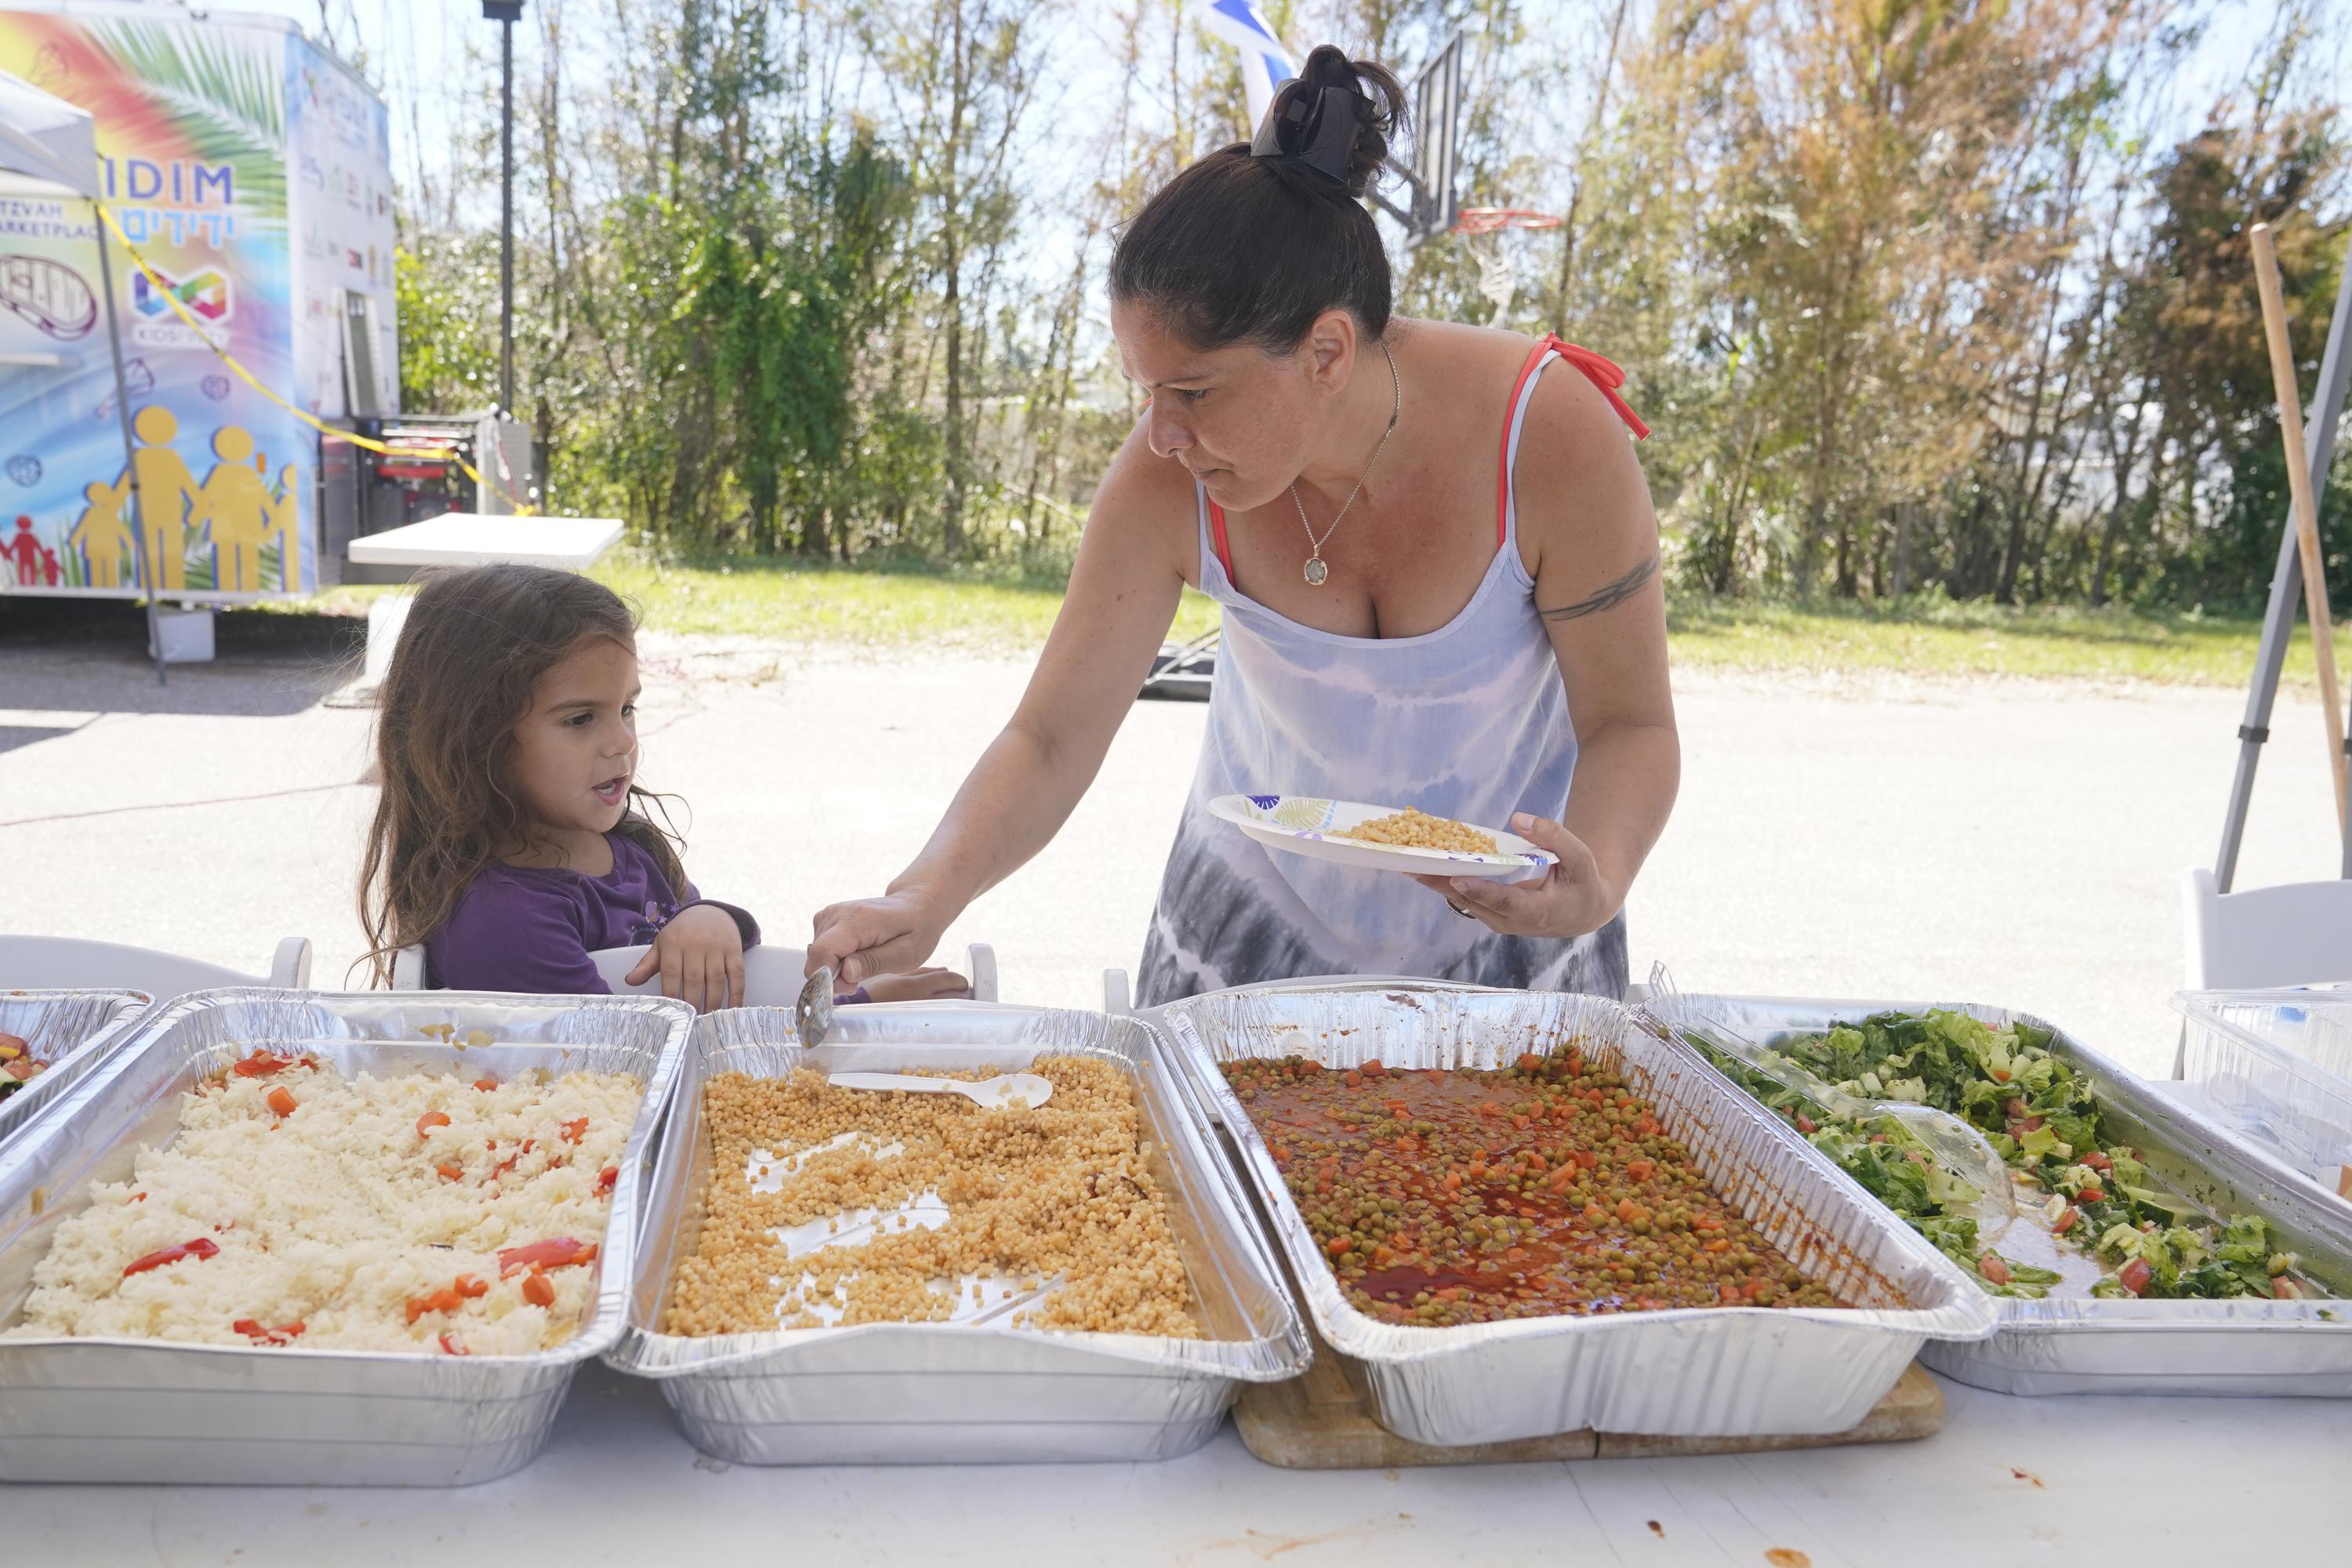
[1686,1372]
[73,1030]
[2089,1345]
[966,1392]
[144,1411]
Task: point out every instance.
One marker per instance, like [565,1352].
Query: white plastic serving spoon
[1000,1093]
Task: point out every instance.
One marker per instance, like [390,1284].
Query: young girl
[506,839]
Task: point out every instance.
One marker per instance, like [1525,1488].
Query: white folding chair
[2297,933]
[35,962]
[771,976]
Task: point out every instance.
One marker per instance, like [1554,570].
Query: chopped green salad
[2040,1116]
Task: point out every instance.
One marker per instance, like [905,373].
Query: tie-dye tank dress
[1468,722]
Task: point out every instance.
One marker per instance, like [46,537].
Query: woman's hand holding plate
[1571,899]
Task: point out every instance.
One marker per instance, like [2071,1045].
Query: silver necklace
[1317,572]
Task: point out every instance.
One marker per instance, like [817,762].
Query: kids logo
[206,294]
[49,294]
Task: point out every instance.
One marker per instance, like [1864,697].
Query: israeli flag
[1267,61]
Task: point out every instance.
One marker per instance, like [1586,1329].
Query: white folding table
[2077,1479]
[471,539]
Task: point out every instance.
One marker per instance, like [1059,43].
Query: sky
[420,50]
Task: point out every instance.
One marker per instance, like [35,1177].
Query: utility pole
[506,13]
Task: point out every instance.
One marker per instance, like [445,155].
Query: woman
[1438,567]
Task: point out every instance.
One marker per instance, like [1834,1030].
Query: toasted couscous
[1052,1210]
[1413,828]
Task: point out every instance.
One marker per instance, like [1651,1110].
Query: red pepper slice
[470,1287]
[573,1131]
[261,1064]
[430,1119]
[485,1084]
[202,1246]
[280,1100]
[555,1252]
[451,1347]
[606,1177]
[276,1336]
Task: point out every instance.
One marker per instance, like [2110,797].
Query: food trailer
[250,169]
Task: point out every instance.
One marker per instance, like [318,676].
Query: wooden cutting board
[1318,1422]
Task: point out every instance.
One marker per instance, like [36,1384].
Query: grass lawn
[1007,611]
[1940,637]
[848,608]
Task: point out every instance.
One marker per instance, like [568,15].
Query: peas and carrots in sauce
[1445,1197]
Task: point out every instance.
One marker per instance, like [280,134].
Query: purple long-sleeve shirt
[525,928]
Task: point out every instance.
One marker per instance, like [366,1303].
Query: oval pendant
[1316,571]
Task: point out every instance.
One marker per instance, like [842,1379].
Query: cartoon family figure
[36,564]
[235,507]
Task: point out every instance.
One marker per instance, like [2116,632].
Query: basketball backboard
[1431,206]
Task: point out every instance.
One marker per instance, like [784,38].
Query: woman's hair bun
[1381,109]
[1253,242]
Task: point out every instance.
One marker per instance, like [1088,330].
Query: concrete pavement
[2017,843]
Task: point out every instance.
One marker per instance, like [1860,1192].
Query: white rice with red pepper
[355,1216]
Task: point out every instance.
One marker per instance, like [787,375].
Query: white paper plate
[1307,825]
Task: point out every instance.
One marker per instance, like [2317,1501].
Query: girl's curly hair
[476,641]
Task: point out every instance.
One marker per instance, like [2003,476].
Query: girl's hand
[889,935]
[923,985]
[1571,899]
[701,956]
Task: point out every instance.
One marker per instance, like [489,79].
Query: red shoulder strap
[1217,537]
[1597,369]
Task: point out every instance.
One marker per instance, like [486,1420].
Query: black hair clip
[1311,125]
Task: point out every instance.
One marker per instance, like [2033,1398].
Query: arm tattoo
[1610,596]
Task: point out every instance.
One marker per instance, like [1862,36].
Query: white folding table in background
[471,539]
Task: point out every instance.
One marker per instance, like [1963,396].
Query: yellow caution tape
[437,454]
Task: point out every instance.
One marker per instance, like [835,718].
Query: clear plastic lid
[2277,1066]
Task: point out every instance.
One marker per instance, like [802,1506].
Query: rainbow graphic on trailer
[230,149]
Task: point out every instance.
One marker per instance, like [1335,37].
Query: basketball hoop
[1485,233]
